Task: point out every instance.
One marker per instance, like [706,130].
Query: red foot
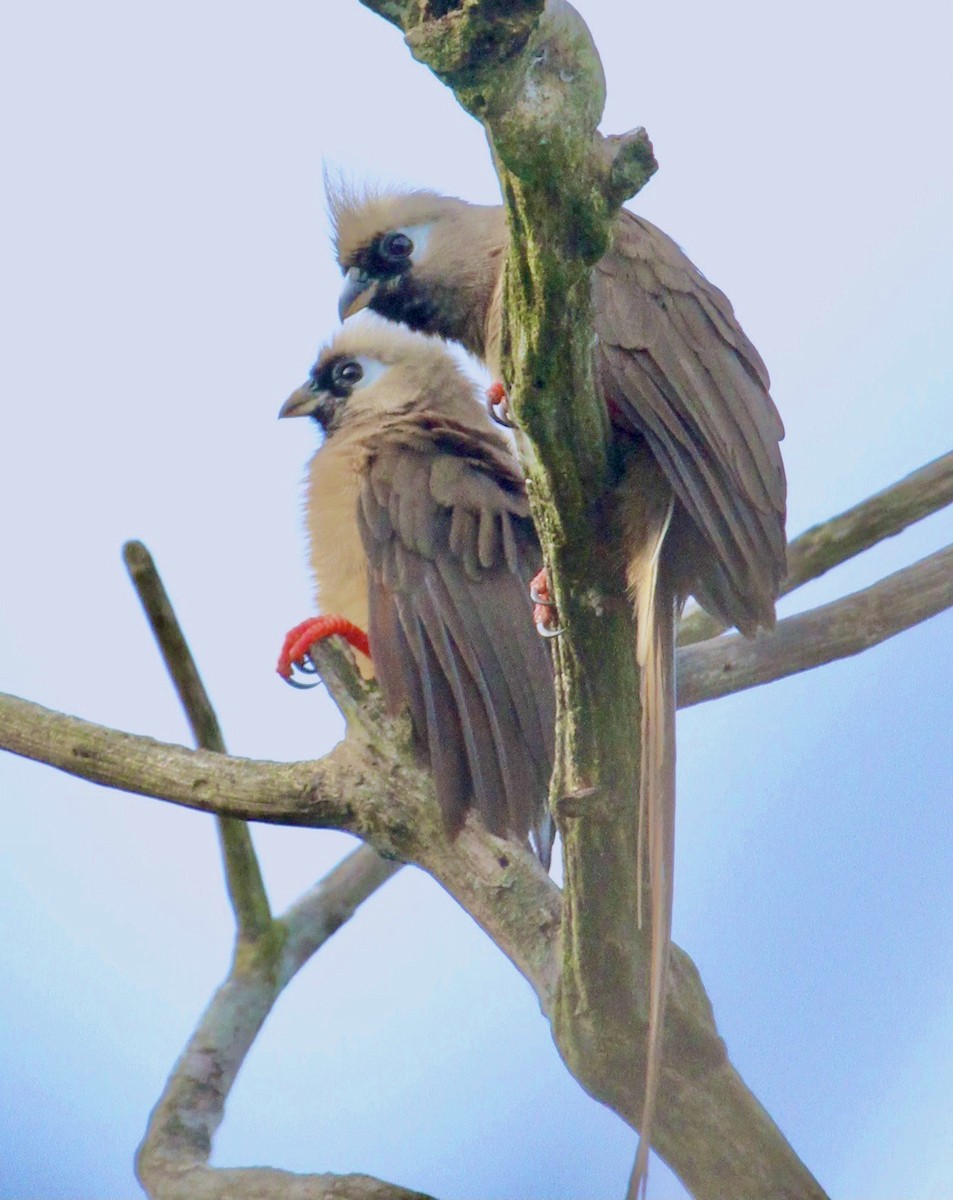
[298,641]
[496,398]
[545,616]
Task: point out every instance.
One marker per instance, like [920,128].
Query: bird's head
[415,257]
[371,375]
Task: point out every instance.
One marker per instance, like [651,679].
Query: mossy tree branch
[532,75]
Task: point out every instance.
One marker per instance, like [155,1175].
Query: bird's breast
[337,555]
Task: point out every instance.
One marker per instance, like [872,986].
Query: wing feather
[450,548]
[677,369]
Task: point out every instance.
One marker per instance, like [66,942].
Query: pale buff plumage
[335,473]
[419,533]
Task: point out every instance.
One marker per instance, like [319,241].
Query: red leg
[298,641]
[545,616]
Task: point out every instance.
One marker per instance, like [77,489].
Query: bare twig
[172,1162]
[174,648]
[243,879]
[817,550]
[312,919]
[845,627]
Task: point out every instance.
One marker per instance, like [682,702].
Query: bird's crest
[361,212]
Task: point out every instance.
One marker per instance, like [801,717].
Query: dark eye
[344,376]
[396,246]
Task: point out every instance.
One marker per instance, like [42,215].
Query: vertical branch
[243,879]
[534,78]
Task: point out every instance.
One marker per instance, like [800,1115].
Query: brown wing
[450,551]
[676,368]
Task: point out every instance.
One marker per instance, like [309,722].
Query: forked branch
[390,801]
[173,1158]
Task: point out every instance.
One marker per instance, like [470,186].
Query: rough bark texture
[538,88]
[710,1126]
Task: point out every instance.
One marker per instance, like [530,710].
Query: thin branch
[243,879]
[845,627]
[172,1161]
[320,912]
[817,550]
[173,1158]
[173,646]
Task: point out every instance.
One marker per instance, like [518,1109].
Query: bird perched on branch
[422,548]
[701,503]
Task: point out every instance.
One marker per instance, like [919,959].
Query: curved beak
[359,290]
[303,402]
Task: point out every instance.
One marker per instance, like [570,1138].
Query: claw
[304,669]
[298,641]
[497,399]
[545,616]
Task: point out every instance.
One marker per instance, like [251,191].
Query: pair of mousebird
[422,545]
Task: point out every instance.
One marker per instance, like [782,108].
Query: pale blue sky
[164,282]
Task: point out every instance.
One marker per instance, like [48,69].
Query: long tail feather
[655,651]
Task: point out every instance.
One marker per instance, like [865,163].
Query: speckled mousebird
[420,538]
